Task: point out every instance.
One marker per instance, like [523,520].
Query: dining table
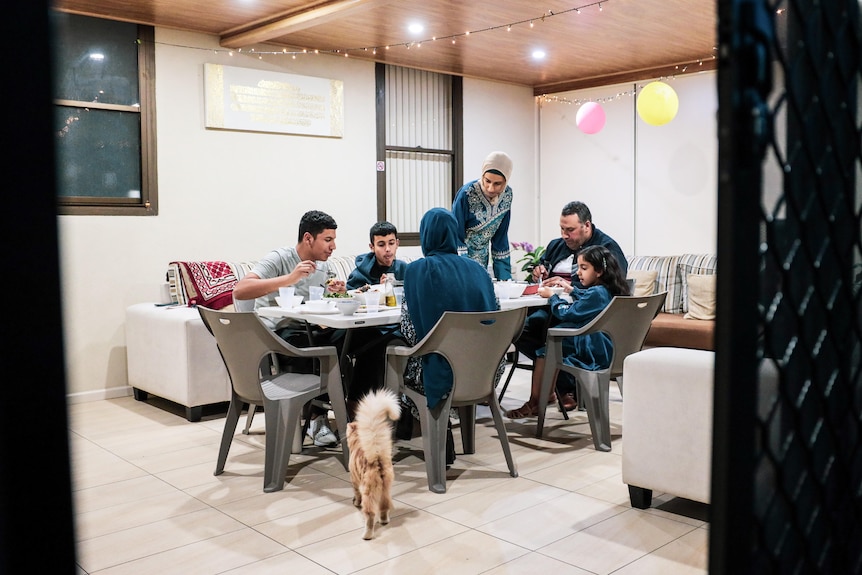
[386,319]
[362,318]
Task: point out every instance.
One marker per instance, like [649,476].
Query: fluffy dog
[369,440]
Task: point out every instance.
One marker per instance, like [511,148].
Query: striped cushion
[666,266]
[693,264]
[671,272]
[342,266]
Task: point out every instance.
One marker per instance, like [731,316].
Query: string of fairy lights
[410,44]
[549,98]
[453,38]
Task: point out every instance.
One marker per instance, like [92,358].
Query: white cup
[399,295]
[372,301]
[315,293]
[287,293]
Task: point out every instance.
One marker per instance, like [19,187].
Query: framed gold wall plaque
[261,101]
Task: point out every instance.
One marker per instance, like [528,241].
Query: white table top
[386,316]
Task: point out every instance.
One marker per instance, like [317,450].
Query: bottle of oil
[389,290]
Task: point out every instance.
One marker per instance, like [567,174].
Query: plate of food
[337,295]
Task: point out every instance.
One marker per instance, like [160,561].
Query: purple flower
[532,257]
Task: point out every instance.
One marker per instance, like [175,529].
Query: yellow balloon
[657,104]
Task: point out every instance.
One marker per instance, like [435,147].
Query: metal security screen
[787,469]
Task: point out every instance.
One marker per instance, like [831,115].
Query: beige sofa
[687,318]
[169,352]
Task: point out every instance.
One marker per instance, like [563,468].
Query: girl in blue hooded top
[600,274]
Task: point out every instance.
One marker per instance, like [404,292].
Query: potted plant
[531,258]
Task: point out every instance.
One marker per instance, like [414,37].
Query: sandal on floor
[525,410]
[569,402]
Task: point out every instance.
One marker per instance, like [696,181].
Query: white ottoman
[171,354]
[667,424]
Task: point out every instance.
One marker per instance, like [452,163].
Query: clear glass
[95,60]
[98,153]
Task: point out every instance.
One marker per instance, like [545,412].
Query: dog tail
[373,415]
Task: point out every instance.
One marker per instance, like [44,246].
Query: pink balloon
[590,118]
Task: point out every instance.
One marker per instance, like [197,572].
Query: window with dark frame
[104,113]
[419,145]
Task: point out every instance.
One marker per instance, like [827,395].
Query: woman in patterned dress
[482,209]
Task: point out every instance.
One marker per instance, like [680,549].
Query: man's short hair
[579,209]
[315,222]
[382,229]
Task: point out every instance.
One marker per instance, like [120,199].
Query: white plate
[303,309]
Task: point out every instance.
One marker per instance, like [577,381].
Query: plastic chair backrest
[627,320]
[473,343]
[243,341]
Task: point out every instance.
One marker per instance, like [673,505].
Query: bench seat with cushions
[170,353]
[687,319]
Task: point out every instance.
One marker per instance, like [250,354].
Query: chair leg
[497,414]
[595,388]
[560,403]
[467,416]
[232,418]
[434,425]
[549,377]
[508,377]
[335,387]
[280,418]
[298,434]
[249,417]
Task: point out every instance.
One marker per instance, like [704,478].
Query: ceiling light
[538,54]
[416,28]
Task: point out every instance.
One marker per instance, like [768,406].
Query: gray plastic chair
[248,305]
[473,343]
[626,321]
[243,341]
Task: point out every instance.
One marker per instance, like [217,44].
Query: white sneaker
[319,431]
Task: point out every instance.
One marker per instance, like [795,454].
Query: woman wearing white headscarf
[482,209]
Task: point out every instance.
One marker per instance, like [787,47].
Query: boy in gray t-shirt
[301,266]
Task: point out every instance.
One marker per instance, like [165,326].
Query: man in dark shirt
[577,231]
[560,260]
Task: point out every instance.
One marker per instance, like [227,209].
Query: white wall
[231,195]
[503,117]
[652,188]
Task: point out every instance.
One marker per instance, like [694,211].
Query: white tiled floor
[147,502]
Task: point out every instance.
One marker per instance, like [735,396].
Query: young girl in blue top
[600,274]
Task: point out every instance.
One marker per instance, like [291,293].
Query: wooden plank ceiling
[587,43]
